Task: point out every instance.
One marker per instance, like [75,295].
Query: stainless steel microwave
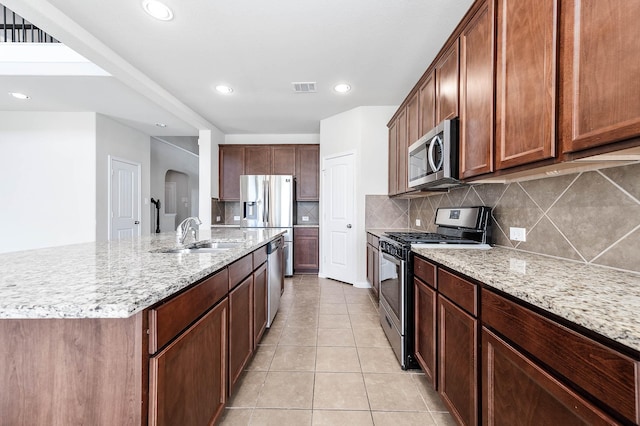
[433,159]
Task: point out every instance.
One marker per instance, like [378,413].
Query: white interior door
[339,239]
[124,199]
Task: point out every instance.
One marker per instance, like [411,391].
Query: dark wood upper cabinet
[427,104]
[413,119]
[230,168]
[257,160]
[402,154]
[447,74]
[600,72]
[308,173]
[476,93]
[393,158]
[527,39]
[283,160]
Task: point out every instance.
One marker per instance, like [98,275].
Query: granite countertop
[111,279]
[378,232]
[307,225]
[603,300]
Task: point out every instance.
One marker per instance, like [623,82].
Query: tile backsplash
[591,217]
[386,213]
[217,210]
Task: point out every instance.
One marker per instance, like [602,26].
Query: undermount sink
[205,247]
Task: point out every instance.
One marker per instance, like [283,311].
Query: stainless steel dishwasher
[276,276]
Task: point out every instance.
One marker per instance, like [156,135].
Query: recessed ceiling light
[19,95]
[161,125]
[224,89]
[157,9]
[342,88]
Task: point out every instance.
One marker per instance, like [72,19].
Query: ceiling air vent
[304,87]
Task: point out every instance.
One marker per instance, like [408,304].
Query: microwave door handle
[432,146]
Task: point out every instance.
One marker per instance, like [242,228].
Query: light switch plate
[517,234]
[236,218]
[305,218]
[418,222]
[218,219]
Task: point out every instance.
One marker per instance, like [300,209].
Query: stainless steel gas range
[464,227]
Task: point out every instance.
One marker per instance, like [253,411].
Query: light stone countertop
[603,300]
[111,279]
[307,225]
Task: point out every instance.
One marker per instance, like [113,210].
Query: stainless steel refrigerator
[267,202]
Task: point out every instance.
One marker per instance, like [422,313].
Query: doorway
[177,198]
[339,227]
[124,199]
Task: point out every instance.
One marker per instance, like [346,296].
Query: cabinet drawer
[372,239]
[259,256]
[169,319]
[459,290]
[305,232]
[239,270]
[602,372]
[425,271]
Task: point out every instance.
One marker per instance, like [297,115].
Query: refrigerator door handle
[265,192]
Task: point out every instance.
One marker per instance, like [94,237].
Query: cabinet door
[413,119]
[476,94]
[283,160]
[427,95]
[516,391]
[447,85]
[376,270]
[308,172]
[187,380]
[458,369]
[601,72]
[240,329]
[305,255]
[525,81]
[425,329]
[260,294]
[231,167]
[370,264]
[393,158]
[402,153]
[257,160]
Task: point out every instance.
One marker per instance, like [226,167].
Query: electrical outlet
[305,218]
[218,219]
[418,222]
[236,218]
[517,234]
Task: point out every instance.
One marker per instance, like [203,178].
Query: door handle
[137,222]
[348,225]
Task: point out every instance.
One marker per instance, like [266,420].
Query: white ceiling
[166,71]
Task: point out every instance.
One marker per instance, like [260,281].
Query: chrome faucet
[189,224]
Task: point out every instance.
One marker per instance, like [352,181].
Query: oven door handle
[392,259]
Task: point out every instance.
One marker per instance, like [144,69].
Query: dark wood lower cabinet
[306,246]
[458,361]
[188,378]
[425,329]
[518,392]
[373,268]
[260,293]
[240,329]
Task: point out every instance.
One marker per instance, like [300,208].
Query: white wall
[363,130]
[164,157]
[272,139]
[121,142]
[47,179]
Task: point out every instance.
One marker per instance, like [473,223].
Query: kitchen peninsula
[99,333]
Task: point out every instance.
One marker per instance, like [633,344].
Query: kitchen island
[101,333]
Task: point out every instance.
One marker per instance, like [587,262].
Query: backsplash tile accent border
[590,217]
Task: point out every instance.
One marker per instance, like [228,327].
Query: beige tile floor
[326,361]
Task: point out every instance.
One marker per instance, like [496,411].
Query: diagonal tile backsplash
[591,217]
[386,213]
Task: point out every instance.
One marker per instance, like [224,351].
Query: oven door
[392,282]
